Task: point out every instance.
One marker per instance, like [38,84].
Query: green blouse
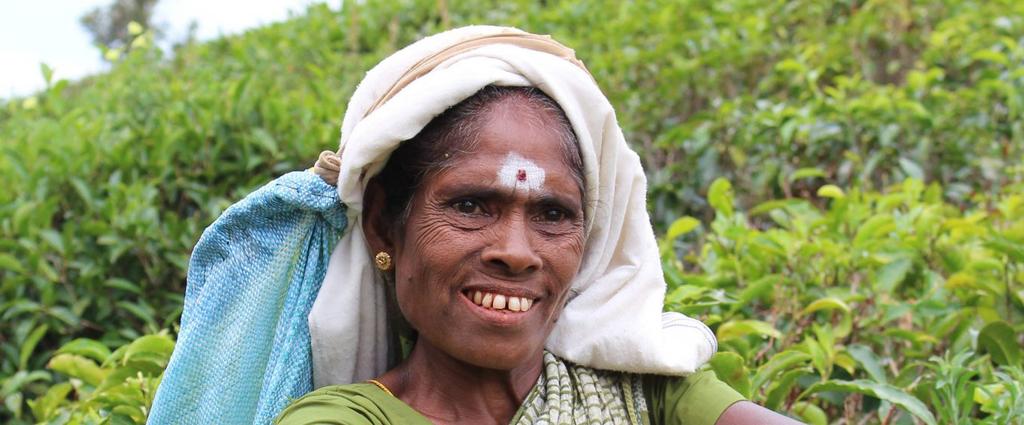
[698,399]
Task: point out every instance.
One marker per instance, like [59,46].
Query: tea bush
[116,387]
[875,301]
[902,289]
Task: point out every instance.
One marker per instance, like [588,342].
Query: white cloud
[48,31]
[222,17]
[34,32]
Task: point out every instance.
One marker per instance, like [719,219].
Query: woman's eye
[467,206]
[553,215]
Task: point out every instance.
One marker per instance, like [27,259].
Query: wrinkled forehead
[382,112]
[526,133]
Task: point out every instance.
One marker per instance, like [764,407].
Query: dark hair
[455,132]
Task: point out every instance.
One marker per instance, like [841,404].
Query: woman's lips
[499,302]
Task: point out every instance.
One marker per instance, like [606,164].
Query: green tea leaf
[88,348]
[122,284]
[780,388]
[809,413]
[45,406]
[911,169]
[54,239]
[819,357]
[47,72]
[779,363]
[756,289]
[892,274]
[1012,249]
[29,345]
[22,378]
[13,403]
[8,262]
[831,191]
[730,368]
[682,226]
[827,303]
[83,192]
[873,229]
[139,310]
[75,366]
[1000,341]
[804,173]
[720,196]
[64,314]
[153,345]
[741,328]
[265,140]
[869,361]
[776,204]
[990,55]
[881,391]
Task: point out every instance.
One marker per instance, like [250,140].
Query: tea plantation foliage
[839,186]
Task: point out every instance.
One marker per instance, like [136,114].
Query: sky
[47,31]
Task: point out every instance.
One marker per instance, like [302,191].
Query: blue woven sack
[243,351]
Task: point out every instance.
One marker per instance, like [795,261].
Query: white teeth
[501,302]
[513,303]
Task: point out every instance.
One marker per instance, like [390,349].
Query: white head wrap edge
[614,322]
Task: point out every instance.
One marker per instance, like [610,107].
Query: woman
[496,224]
[479,226]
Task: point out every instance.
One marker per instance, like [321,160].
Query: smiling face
[484,262]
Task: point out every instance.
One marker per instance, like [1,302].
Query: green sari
[565,394]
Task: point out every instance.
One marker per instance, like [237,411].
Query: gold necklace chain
[381,386]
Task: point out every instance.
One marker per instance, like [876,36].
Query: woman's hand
[327,167]
[745,412]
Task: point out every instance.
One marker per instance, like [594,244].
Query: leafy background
[838,186]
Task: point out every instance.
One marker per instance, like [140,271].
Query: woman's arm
[745,412]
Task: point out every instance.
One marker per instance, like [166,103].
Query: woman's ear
[379,230]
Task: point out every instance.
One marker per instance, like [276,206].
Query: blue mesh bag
[243,351]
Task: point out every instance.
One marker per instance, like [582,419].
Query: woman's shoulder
[698,398]
[362,403]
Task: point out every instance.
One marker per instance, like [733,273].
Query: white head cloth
[614,319]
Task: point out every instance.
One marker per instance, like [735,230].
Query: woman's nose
[511,250]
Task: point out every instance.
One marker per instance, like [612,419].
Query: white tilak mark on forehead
[519,172]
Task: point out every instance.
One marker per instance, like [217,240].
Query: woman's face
[484,264]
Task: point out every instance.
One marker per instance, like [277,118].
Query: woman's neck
[449,391]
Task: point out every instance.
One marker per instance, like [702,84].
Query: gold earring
[383,261]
